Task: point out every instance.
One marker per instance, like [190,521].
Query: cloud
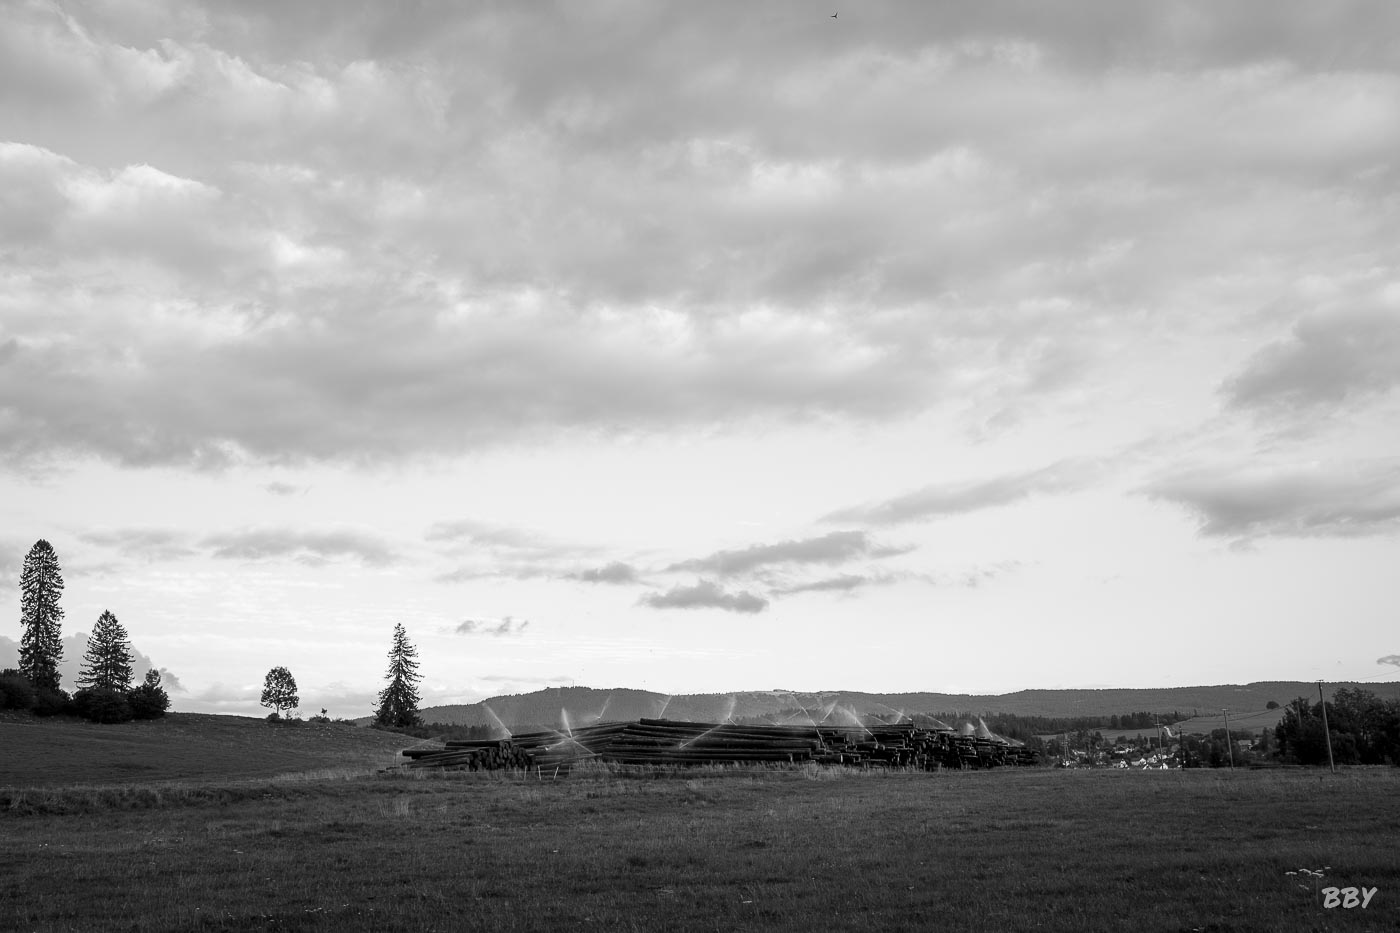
[74,647]
[657,239]
[613,572]
[1328,360]
[485,534]
[652,245]
[504,627]
[284,489]
[566,679]
[704,595]
[843,583]
[1389,659]
[12,554]
[941,500]
[1312,500]
[310,547]
[833,548]
[149,544]
[501,551]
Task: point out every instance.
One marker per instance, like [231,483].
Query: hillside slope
[183,747]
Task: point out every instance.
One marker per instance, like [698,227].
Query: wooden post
[1229,742]
[1326,731]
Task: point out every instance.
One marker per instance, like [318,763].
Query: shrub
[50,702]
[274,716]
[149,701]
[102,704]
[16,692]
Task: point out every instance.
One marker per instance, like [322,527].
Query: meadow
[357,848]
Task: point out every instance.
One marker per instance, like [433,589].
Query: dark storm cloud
[705,594]
[940,500]
[313,547]
[1336,500]
[1329,359]
[833,548]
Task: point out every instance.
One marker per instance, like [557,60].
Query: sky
[945,346]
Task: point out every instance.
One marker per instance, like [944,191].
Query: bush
[102,704]
[16,692]
[49,702]
[148,702]
[274,716]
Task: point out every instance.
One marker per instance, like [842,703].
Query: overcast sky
[705,347]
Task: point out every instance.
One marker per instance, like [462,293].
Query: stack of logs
[664,742]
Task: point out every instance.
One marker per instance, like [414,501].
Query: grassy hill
[182,746]
[553,708]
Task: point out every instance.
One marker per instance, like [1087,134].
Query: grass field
[182,746]
[708,850]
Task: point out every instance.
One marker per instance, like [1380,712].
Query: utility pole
[1229,743]
[1326,731]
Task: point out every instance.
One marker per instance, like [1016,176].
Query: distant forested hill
[574,706]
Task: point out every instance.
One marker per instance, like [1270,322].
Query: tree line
[105,690]
[398,701]
[1023,727]
[1364,730]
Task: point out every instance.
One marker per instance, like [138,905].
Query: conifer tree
[398,702]
[41,645]
[280,690]
[107,661]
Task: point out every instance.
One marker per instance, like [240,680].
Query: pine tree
[398,702]
[107,661]
[280,690]
[41,645]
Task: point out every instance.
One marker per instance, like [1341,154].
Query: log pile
[666,742]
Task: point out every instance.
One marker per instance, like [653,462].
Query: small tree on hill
[41,645]
[398,702]
[280,690]
[107,661]
[149,701]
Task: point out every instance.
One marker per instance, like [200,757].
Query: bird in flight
[834,15]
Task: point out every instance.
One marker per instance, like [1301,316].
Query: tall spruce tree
[107,661]
[398,702]
[41,645]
